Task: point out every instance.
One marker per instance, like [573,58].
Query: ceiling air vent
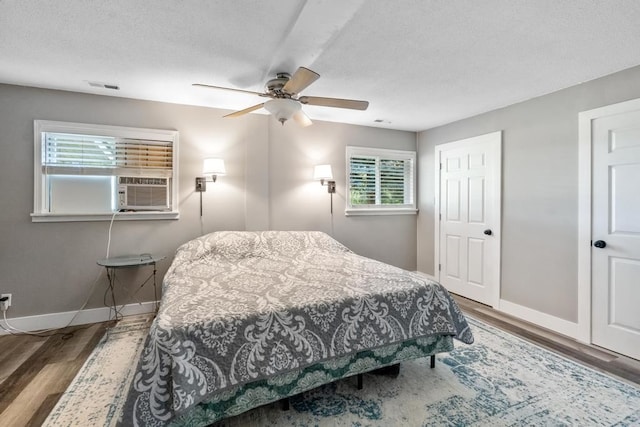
[104,85]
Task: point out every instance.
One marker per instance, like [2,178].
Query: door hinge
[440,217]
[439,267]
[440,166]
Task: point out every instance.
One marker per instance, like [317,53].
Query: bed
[249,318]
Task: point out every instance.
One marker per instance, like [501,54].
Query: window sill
[380,211]
[120,216]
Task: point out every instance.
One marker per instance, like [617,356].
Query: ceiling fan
[285,102]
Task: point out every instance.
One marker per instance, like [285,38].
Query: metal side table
[129,261]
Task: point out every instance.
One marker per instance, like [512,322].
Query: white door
[615,312]
[468,217]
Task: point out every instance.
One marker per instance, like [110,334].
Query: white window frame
[380,209]
[39,197]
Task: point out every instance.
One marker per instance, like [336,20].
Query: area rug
[96,395]
[500,380]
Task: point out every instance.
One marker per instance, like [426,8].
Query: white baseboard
[539,318]
[60,320]
[530,315]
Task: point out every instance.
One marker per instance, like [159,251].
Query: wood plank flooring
[35,371]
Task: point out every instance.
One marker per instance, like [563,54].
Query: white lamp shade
[213,167]
[322,172]
[282,109]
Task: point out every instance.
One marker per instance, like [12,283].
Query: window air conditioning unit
[143,193]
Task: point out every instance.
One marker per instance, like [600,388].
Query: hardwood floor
[35,371]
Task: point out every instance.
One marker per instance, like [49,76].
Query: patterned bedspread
[238,307]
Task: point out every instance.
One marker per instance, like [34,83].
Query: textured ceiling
[419,63]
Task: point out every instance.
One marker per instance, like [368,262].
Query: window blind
[362,180]
[393,182]
[380,181]
[74,154]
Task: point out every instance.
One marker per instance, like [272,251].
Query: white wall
[539,193]
[50,267]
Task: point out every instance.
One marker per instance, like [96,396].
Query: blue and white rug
[96,395]
[500,380]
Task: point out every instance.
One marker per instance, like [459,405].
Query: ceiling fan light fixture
[285,103]
[282,108]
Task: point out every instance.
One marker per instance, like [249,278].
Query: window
[87,172]
[380,181]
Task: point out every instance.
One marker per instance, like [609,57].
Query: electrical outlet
[4,305]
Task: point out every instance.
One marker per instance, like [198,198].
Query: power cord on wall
[109,233]
[117,315]
[3,307]
[332,231]
[45,332]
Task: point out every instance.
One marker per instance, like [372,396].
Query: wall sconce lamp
[324,174]
[211,168]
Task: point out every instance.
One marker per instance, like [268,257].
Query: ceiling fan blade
[302,78]
[245,111]
[334,102]
[227,88]
[302,119]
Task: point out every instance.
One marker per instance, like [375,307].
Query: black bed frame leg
[359,386]
[285,404]
[433,361]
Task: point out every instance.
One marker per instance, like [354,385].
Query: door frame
[585,163]
[495,137]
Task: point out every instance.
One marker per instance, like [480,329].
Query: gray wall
[301,204]
[51,267]
[539,189]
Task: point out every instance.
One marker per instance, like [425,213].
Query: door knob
[600,244]
[488,232]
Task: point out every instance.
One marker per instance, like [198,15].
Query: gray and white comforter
[242,306]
